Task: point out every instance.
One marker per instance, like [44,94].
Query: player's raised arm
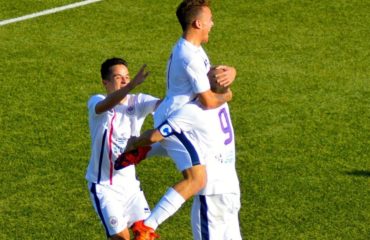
[118,85]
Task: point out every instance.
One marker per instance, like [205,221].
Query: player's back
[212,133]
[221,172]
[187,70]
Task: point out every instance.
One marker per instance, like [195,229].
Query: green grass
[301,113]
[11,9]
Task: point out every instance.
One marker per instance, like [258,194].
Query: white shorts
[216,217]
[182,147]
[116,211]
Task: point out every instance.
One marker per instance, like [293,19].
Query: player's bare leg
[195,178]
[123,235]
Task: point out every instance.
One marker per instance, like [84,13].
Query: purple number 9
[225,125]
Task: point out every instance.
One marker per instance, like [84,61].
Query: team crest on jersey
[206,63]
[130,110]
[166,130]
[113,221]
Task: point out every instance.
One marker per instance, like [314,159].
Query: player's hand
[227,77]
[140,77]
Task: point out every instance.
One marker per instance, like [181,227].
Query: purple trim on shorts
[203,217]
[189,147]
[98,207]
[182,138]
[101,154]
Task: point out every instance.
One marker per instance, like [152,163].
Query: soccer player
[215,210]
[113,119]
[188,64]
[216,207]
[187,79]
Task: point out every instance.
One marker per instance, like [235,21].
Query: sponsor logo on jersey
[166,130]
[130,110]
[206,63]
[113,221]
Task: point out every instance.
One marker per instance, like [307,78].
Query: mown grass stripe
[46,12]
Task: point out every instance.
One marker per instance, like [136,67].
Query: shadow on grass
[358,173]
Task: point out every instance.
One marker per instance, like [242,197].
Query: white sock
[165,208]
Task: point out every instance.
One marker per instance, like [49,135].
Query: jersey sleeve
[198,75]
[92,103]
[147,104]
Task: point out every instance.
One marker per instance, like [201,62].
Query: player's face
[206,23]
[118,78]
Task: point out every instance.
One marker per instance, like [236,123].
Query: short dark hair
[188,10]
[107,64]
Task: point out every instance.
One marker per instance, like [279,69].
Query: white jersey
[187,71]
[212,135]
[221,172]
[109,134]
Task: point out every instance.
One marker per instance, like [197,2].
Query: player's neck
[193,38]
[123,101]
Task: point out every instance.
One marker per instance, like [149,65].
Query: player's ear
[197,24]
[104,82]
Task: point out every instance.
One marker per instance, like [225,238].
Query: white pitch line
[45,12]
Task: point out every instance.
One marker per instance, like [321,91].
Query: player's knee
[117,237]
[124,235]
[196,178]
[199,182]
[202,182]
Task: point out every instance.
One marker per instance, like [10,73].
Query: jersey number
[225,125]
